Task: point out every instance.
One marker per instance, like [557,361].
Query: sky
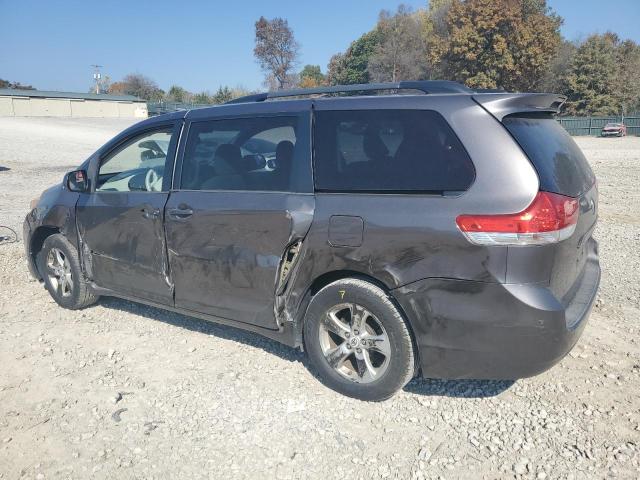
[202,44]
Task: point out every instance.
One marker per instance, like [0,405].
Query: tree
[202,98]
[14,85]
[138,85]
[311,76]
[401,53]
[498,43]
[223,95]
[352,66]
[276,49]
[178,94]
[627,77]
[591,78]
[555,80]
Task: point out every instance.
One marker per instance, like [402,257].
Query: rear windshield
[561,165]
[388,151]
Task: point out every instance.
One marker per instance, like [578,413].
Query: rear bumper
[466,329]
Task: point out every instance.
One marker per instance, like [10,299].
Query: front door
[244,198]
[121,221]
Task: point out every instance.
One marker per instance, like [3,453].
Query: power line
[97,76]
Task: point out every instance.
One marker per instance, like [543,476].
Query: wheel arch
[38,237]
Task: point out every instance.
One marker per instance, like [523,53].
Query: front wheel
[358,341]
[59,266]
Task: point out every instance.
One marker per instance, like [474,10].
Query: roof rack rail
[426,86]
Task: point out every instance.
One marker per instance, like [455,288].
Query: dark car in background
[614,130]
[445,232]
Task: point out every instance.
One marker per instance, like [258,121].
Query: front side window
[256,154]
[138,165]
[389,151]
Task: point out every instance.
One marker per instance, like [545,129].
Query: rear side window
[389,151]
[562,167]
[259,154]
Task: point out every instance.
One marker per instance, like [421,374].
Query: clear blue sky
[203,44]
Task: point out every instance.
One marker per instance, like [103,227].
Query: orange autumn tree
[505,44]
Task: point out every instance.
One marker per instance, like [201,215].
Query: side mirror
[77,181]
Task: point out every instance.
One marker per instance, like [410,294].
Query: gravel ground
[127,391]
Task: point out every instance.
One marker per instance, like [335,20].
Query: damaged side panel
[236,250]
[123,243]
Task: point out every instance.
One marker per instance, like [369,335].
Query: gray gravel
[121,390]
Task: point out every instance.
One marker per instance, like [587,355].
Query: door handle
[150,213]
[180,213]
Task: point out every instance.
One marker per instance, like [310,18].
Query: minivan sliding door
[244,197]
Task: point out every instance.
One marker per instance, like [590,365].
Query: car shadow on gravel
[203,326]
[458,388]
[418,386]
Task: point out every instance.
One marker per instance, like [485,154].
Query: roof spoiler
[502,104]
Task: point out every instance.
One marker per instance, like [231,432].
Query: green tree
[352,66]
[311,76]
[497,43]
[555,80]
[178,94]
[627,77]
[202,98]
[591,79]
[401,53]
[223,95]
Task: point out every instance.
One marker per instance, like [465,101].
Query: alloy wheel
[354,343]
[59,272]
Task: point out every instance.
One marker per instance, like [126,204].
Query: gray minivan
[440,231]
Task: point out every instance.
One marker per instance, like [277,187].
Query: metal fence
[593,125]
[158,108]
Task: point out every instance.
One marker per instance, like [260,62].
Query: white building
[36,103]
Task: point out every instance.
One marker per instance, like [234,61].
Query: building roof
[13,92]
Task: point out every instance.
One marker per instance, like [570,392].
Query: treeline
[486,44]
[514,45]
[14,85]
[143,87]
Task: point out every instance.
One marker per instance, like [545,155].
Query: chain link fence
[593,125]
[158,108]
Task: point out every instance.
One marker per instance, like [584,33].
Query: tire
[339,341]
[59,266]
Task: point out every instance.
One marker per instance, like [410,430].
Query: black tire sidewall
[379,304]
[74,300]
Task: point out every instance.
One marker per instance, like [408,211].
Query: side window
[257,154]
[389,151]
[138,165]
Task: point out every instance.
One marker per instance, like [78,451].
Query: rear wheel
[358,341]
[59,266]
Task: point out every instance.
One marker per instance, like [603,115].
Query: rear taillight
[550,218]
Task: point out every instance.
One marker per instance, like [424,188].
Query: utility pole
[97,76]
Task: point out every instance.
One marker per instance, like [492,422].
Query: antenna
[97,76]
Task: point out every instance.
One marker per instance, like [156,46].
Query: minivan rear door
[242,197]
[562,168]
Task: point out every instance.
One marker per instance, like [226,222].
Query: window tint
[562,167]
[242,154]
[138,165]
[388,151]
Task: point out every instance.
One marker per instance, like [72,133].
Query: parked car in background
[614,130]
[447,233]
